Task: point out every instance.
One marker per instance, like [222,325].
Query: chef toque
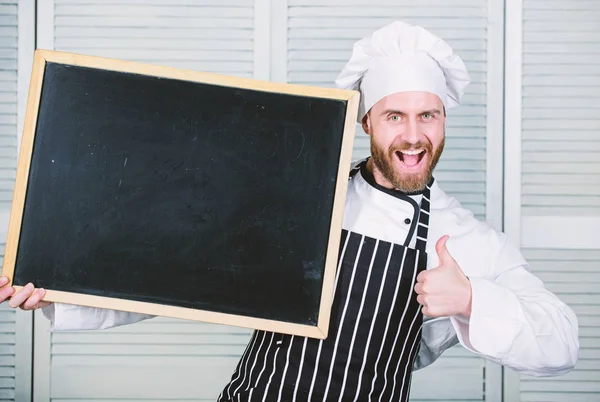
[401,57]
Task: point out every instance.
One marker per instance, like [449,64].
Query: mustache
[408,146]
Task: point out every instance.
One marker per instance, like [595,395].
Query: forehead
[410,102]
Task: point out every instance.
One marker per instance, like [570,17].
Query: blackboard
[183,194]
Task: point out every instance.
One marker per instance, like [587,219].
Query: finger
[425,311]
[421,300]
[422,275]
[3,281]
[442,251]
[429,312]
[6,292]
[419,288]
[33,302]
[22,295]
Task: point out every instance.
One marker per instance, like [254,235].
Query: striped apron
[374,334]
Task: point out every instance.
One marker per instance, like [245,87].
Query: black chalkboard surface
[181,194]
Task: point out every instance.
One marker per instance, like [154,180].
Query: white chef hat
[401,57]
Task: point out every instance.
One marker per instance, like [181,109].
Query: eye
[395,117]
[427,116]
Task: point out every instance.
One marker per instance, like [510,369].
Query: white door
[553,172]
[16,55]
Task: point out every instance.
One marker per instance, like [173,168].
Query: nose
[411,133]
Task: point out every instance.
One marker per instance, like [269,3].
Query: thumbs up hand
[445,290]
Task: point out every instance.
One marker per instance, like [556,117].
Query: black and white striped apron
[374,334]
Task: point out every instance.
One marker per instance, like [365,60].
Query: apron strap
[423,226]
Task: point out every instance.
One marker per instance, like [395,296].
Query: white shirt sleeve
[516,322]
[68,317]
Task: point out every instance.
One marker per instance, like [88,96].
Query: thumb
[442,251]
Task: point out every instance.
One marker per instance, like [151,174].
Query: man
[417,273]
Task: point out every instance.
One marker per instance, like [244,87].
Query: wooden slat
[122,349]
[157,44]
[381,3]
[369,24]
[147,383]
[559,397]
[375,11]
[470,387]
[560,5]
[80,35]
[152,338]
[161,3]
[160,11]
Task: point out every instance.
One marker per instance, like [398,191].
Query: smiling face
[407,139]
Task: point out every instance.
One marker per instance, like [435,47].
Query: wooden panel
[8,99]
[561,87]
[201,357]
[8,162]
[574,275]
[212,36]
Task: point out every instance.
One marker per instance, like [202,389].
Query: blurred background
[523,152]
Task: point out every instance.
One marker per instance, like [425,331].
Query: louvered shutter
[7,349]
[208,35]
[321,36]
[161,358]
[574,275]
[8,101]
[560,187]
[8,152]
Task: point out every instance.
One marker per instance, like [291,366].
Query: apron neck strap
[423,226]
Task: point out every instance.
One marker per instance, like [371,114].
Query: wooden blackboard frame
[41,57]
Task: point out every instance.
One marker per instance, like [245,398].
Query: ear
[366,124]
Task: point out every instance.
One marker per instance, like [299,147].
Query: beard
[403,181]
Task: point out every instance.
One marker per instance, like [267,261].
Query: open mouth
[411,158]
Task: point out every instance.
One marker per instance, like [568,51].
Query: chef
[417,272]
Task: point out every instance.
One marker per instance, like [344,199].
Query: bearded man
[417,272]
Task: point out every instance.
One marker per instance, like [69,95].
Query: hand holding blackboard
[27,298]
[176,193]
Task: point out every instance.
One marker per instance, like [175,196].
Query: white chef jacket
[515,321]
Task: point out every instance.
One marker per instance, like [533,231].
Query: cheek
[436,135]
[383,135]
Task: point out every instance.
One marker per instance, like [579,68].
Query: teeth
[412,152]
